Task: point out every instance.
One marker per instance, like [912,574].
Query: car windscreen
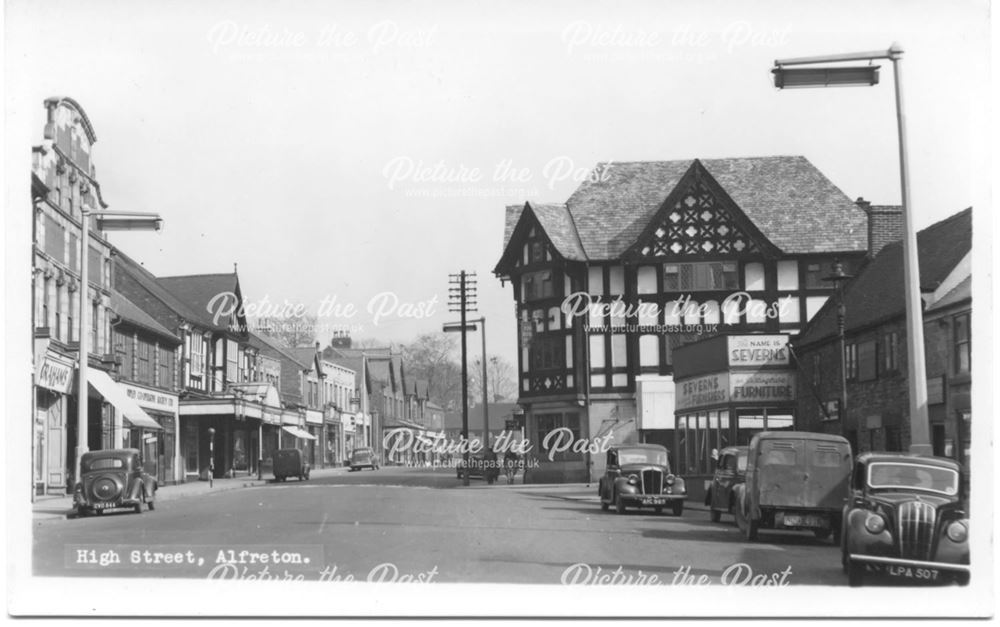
[361,454]
[741,462]
[641,456]
[105,463]
[908,475]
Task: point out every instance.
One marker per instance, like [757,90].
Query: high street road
[403,524]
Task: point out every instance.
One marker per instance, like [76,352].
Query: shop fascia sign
[758,350]
[54,375]
[735,387]
[151,399]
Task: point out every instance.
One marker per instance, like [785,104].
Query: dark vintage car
[906,520]
[363,458]
[795,480]
[483,464]
[638,475]
[113,479]
[730,470]
[289,462]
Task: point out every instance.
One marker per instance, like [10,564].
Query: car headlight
[958,531]
[875,524]
[633,479]
[670,480]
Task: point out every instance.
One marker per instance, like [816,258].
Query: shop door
[55,447]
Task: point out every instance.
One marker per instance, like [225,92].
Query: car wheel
[714,515]
[619,503]
[677,507]
[142,499]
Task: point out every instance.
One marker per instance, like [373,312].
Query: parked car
[363,458]
[638,475]
[113,479]
[795,480]
[906,520]
[290,462]
[730,470]
[483,464]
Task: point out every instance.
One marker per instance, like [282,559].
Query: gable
[530,242]
[699,220]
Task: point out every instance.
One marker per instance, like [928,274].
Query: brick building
[876,416]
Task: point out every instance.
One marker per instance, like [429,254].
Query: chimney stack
[885,224]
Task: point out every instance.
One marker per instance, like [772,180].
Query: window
[646,280]
[123,351]
[95,269]
[595,280]
[649,351]
[547,353]
[74,252]
[754,276]
[166,366]
[867,360]
[537,285]
[716,275]
[890,351]
[145,374]
[55,239]
[963,357]
[197,355]
[232,360]
[59,325]
[814,276]
[45,303]
[537,252]
[788,275]
[851,361]
[94,311]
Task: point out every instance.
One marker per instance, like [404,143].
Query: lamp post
[106,221]
[838,278]
[813,76]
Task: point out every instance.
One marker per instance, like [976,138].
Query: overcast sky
[289,137]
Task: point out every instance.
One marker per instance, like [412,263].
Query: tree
[288,331]
[431,357]
[500,383]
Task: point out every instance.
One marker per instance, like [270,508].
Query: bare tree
[288,331]
[431,357]
[500,383]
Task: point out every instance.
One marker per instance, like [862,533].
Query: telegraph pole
[462,299]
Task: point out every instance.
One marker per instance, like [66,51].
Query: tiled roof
[961,292]
[127,310]
[147,280]
[198,290]
[611,209]
[877,293]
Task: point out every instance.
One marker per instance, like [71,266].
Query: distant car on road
[483,464]
[730,470]
[906,520]
[290,462]
[363,458]
[638,475]
[113,479]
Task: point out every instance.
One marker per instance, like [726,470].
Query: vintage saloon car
[730,470]
[483,464]
[363,458]
[290,462]
[905,520]
[113,479]
[638,475]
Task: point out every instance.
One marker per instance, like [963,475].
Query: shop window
[788,275]
[963,356]
[569,425]
[867,361]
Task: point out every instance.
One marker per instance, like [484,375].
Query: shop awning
[299,433]
[114,394]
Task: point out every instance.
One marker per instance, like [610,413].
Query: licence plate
[911,572]
[654,501]
[804,520]
[105,505]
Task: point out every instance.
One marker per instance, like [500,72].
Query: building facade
[645,257]
[875,357]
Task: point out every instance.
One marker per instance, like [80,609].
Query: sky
[357,153]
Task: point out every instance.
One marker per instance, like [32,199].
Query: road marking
[323,524]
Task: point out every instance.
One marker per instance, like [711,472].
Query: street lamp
[838,278]
[105,221]
[861,75]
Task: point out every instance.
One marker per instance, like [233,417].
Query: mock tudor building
[669,252]
[876,416]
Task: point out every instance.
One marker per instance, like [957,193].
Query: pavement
[59,506]
[46,507]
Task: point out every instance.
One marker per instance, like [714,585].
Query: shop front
[312,447]
[160,449]
[333,438]
[729,388]
[53,382]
